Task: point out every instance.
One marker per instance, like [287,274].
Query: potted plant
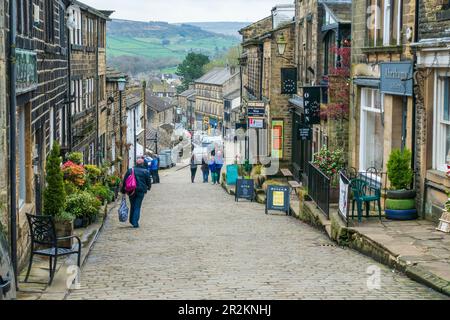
[83,206]
[330,163]
[64,224]
[400,203]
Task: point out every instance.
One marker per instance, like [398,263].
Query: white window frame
[439,124]
[75,33]
[386,11]
[367,106]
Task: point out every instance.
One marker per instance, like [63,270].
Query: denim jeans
[205,176]
[135,210]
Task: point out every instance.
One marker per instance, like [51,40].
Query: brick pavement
[195,242]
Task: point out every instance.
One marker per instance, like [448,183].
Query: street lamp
[121,86]
[281,43]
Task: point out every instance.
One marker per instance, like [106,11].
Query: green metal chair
[363,192]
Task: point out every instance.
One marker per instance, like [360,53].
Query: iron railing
[319,186]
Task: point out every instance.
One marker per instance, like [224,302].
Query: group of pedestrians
[212,166]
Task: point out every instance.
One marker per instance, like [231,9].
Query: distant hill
[160,45]
[227,28]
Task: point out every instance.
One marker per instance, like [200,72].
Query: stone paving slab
[195,242]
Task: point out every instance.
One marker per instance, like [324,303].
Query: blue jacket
[154,164]
[143,180]
[212,166]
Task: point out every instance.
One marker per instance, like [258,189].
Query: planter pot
[400,204]
[81,223]
[93,219]
[401,215]
[334,195]
[64,229]
[401,194]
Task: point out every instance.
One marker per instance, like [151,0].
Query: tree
[191,69]
[229,58]
[54,194]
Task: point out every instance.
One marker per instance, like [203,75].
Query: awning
[367,82]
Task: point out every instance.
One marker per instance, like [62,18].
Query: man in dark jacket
[143,184]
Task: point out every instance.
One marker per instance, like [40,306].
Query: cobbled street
[195,242]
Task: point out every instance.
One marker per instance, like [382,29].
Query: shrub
[329,162]
[93,173]
[74,173]
[70,187]
[113,181]
[399,169]
[75,157]
[82,204]
[102,193]
[65,216]
[54,193]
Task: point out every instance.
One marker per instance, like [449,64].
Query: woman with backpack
[136,184]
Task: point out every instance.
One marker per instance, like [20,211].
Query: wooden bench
[287,173]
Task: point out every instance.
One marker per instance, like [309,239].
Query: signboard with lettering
[256,112]
[256,104]
[397,78]
[344,196]
[256,123]
[289,81]
[245,189]
[278,199]
[311,100]
[277,139]
[232,174]
[304,133]
[26,66]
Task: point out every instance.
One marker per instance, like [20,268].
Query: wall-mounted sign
[344,193]
[304,133]
[397,78]
[256,104]
[245,189]
[256,123]
[311,100]
[278,199]
[277,139]
[256,112]
[289,81]
[232,174]
[26,66]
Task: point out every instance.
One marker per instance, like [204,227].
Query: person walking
[154,169]
[143,185]
[158,161]
[212,168]
[205,170]
[193,168]
[148,164]
[219,165]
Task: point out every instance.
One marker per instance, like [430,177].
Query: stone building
[432,93]
[3,123]
[382,103]
[269,78]
[162,89]
[116,121]
[88,81]
[186,107]
[134,123]
[210,90]
[322,27]
[41,98]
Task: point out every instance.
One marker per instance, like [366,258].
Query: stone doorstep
[421,267]
[40,290]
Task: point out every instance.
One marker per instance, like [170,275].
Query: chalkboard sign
[232,174]
[245,189]
[311,100]
[278,199]
[304,133]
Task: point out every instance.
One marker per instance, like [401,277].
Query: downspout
[68,111]
[97,123]
[12,136]
[413,149]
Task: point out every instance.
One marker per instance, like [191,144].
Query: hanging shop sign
[397,78]
[245,189]
[311,100]
[256,123]
[26,66]
[289,81]
[232,174]
[304,133]
[278,199]
[256,112]
[277,139]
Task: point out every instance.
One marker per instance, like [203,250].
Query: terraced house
[41,97]
[88,81]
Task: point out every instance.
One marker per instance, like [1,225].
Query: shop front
[433,127]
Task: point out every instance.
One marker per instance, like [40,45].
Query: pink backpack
[131,183]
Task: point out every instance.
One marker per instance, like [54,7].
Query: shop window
[441,152]
[371,130]
[384,22]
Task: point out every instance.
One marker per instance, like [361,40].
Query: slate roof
[100,13]
[114,75]
[217,76]
[233,95]
[156,103]
[188,93]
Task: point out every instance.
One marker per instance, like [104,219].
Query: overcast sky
[188,10]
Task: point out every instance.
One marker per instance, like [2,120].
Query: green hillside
[163,45]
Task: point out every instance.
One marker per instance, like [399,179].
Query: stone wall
[256,29]
[3,124]
[434,19]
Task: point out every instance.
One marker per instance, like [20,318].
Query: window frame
[440,125]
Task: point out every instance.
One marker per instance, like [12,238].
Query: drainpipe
[12,136]
[413,151]
[97,123]
[68,107]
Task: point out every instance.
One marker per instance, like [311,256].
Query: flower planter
[400,205]
[401,194]
[64,229]
[81,223]
[401,215]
